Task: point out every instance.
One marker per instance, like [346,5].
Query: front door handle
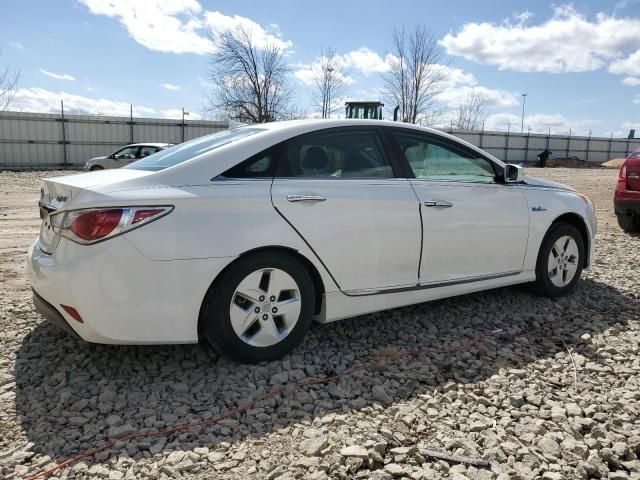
[306,198]
[438,203]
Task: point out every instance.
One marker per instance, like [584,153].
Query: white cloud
[631,81]
[365,60]
[458,84]
[627,66]
[180,26]
[567,42]
[636,100]
[219,22]
[17,45]
[46,101]
[170,86]
[57,76]
[307,73]
[539,123]
[452,97]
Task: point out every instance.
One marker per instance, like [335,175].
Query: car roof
[147,144]
[342,122]
[294,127]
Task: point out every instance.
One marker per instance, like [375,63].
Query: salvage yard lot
[562,401]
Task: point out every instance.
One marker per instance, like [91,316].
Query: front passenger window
[432,161]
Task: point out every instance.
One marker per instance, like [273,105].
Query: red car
[626,200]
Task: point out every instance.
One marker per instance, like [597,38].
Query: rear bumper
[52,315]
[626,202]
[122,296]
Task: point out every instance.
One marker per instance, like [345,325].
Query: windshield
[187,150]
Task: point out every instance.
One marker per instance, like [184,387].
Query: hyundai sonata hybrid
[246,236]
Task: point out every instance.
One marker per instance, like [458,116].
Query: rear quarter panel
[223,219]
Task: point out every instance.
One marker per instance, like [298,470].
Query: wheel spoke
[242,318]
[280,281]
[267,334]
[572,251]
[571,269]
[250,287]
[552,264]
[557,248]
[289,309]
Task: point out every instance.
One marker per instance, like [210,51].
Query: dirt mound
[613,163]
[569,162]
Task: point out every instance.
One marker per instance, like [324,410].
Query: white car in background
[246,236]
[124,156]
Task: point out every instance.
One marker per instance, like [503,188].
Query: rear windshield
[184,151]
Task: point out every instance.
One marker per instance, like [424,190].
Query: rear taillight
[94,225]
[623,172]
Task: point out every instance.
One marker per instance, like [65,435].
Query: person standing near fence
[543,157]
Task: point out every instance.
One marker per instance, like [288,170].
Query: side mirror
[513,173]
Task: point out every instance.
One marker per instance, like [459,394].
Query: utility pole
[64,134]
[183,114]
[524,99]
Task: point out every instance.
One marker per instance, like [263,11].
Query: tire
[96,167]
[239,316]
[562,248]
[629,223]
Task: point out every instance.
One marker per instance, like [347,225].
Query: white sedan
[246,236]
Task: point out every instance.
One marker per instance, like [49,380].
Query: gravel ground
[561,401]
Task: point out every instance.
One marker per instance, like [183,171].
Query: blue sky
[579,63]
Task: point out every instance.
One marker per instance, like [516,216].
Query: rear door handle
[438,203]
[306,198]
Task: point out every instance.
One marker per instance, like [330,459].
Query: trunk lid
[57,193]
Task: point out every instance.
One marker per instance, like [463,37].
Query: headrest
[315,159]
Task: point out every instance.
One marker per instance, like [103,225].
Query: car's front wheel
[560,261]
[260,308]
[96,167]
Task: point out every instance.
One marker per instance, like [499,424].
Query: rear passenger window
[261,165]
[340,154]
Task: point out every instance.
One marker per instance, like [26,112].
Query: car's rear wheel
[260,308]
[629,223]
[560,261]
[96,167]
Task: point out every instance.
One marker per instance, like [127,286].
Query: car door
[474,226]
[147,150]
[341,191]
[125,156]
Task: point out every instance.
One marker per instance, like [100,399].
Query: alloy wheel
[563,261]
[265,307]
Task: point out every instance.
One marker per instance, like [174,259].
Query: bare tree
[471,112]
[250,83]
[415,76]
[8,85]
[329,82]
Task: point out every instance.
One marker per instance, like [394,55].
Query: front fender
[546,206]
